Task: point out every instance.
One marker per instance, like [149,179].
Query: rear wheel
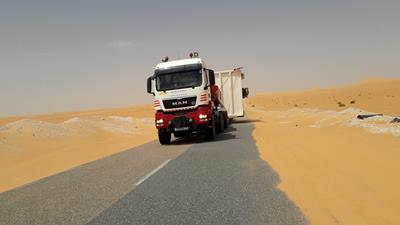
[220,125]
[164,137]
[210,132]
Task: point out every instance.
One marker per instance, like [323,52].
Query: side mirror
[149,89]
[211,77]
[245,92]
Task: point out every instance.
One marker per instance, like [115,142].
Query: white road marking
[153,172]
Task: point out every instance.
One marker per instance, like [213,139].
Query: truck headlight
[202,116]
[159,122]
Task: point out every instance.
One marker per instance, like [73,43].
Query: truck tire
[210,132]
[164,137]
[220,124]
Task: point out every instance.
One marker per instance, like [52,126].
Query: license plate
[181,128]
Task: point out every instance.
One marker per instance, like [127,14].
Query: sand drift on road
[337,168]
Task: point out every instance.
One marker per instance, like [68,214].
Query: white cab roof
[166,65]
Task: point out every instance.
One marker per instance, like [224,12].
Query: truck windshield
[178,80]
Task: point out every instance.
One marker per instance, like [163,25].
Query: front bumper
[184,121]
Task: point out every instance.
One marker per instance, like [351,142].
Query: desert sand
[34,147]
[336,168]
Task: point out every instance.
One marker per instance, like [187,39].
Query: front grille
[178,103]
[180,121]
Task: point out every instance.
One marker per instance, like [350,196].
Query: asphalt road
[189,182]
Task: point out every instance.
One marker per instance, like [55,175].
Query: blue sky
[72,55]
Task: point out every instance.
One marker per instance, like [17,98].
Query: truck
[189,98]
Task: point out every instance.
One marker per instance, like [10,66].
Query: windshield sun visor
[178,69]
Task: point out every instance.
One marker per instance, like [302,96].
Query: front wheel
[164,137]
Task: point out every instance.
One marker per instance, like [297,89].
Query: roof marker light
[165,59]
[194,55]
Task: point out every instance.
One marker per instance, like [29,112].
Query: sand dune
[338,169]
[38,146]
[138,111]
[319,118]
[374,95]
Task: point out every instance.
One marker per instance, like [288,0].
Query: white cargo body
[230,84]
